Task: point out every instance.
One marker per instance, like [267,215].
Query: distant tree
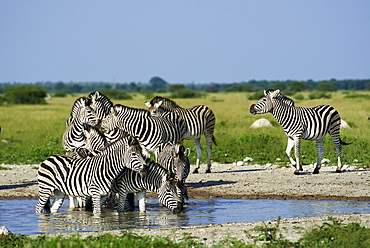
[279,85]
[326,86]
[176,87]
[297,86]
[26,94]
[116,94]
[186,93]
[211,89]
[157,83]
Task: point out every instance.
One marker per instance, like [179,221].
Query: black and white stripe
[148,130]
[158,180]
[86,177]
[302,123]
[199,120]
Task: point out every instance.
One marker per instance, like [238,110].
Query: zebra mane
[78,103]
[166,102]
[120,107]
[279,96]
[98,96]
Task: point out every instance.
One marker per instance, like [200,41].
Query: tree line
[36,92]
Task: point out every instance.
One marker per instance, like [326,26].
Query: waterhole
[19,216]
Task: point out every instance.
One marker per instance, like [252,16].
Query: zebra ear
[148,104]
[158,104]
[113,111]
[187,152]
[275,93]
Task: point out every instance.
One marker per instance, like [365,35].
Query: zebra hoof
[338,171]
[296,172]
[316,172]
[208,171]
[195,171]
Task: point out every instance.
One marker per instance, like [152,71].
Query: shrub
[116,94]
[186,93]
[319,95]
[26,94]
[62,93]
[256,96]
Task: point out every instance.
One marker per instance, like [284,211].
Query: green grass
[329,234]
[32,133]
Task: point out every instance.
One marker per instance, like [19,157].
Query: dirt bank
[236,181]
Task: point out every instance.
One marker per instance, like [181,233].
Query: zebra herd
[108,149]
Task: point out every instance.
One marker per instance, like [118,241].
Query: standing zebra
[199,120]
[82,116]
[157,180]
[86,177]
[148,130]
[302,123]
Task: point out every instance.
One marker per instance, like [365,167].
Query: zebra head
[265,104]
[111,121]
[155,109]
[95,139]
[174,157]
[86,115]
[100,103]
[134,159]
[168,194]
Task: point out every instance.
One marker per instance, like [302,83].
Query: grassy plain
[31,133]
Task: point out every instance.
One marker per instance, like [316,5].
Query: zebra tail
[214,140]
[344,143]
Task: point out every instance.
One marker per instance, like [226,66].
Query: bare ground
[239,182]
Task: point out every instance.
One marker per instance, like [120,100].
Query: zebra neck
[284,114]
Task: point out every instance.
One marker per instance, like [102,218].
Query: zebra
[148,130]
[95,142]
[82,116]
[158,180]
[302,123]
[199,120]
[86,177]
[175,158]
[100,103]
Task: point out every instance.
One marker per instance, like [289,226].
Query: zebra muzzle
[252,109]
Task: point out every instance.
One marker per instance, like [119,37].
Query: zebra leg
[43,200]
[130,202]
[297,154]
[288,151]
[338,149]
[141,196]
[209,151]
[199,154]
[59,198]
[320,153]
[122,200]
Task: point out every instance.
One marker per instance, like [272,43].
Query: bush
[26,94]
[62,93]
[256,96]
[186,93]
[116,94]
[319,95]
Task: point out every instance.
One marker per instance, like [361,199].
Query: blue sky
[199,41]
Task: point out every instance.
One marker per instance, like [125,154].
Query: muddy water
[19,217]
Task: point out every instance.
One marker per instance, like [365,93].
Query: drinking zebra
[199,120]
[86,177]
[302,123]
[174,157]
[158,180]
[148,130]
